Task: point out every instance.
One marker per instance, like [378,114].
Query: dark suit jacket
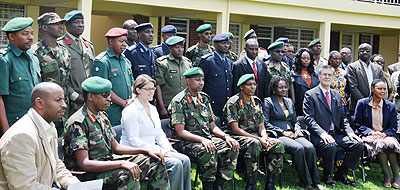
[393,68]
[363,117]
[318,117]
[275,119]
[300,87]
[242,66]
[358,81]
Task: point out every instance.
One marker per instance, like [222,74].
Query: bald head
[48,101]
[128,23]
[132,34]
[251,48]
[43,90]
[251,41]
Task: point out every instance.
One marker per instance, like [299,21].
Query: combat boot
[251,182]
[270,181]
[219,183]
[208,186]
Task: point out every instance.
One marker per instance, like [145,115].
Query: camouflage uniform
[284,71]
[196,114]
[195,52]
[249,116]
[94,133]
[55,67]
[233,56]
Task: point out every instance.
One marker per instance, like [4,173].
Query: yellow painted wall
[389,47]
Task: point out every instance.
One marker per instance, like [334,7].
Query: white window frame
[271,39]
[298,40]
[184,33]
[371,42]
[352,48]
[237,37]
[3,37]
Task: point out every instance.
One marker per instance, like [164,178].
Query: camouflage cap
[174,40]
[194,72]
[275,45]
[49,18]
[96,85]
[17,23]
[315,41]
[203,28]
[251,31]
[229,34]
[245,78]
[72,15]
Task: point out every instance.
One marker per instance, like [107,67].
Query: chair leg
[354,176]
[196,176]
[233,182]
[363,165]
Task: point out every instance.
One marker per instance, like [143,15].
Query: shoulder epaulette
[233,99]
[178,97]
[206,55]
[77,117]
[186,59]
[162,58]
[132,47]
[86,40]
[257,99]
[156,46]
[204,94]
[191,47]
[101,55]
[4,50]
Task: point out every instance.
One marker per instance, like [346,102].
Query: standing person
[113,65]
[329,128]
[249,64]
[132,36]
[82,56]
[394,67]
[54,58]
[378,59]
[162,49]
[288,60]
[291,52]
[193,121]
[90,146]
[20,71]
[375,118]
[361,74]
[231,54]
[141,56]
[305,77]
[251,34]
[169,73]
[245,122]
[315,47]
[280,116]
[339,81]
[195,52]
[346,57]
[217,67]
[142,129]
[28,150]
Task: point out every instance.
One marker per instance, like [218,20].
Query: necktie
[329,104]
[255,69]
[78,42]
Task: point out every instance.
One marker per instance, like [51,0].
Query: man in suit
[249,64]
[330,129]
[82,55]
[28,150]
[361,74]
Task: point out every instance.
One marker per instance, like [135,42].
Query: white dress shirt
[368,70]
[251,62]
[141,131]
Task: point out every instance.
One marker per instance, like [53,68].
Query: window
[182,28]
[367,38]
[7,12]
[348,41]
[299,38]
[236,30]
[265,35]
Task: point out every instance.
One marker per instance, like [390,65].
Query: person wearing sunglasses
[378,59]
[195,52]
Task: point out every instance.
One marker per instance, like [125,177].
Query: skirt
[386,145]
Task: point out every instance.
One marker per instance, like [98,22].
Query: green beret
[229,34]
[174,40]
[315,41]
[276,45]
[72,15]
[203,28]
[251,31]
[96,85]
[194,72]
[245,78]
[17,23]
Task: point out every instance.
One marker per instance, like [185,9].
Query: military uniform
[249,116]
[161,50]
[169,75]
[196,115]
[233,56]
[142,60]
[283,71]
[93,132]
[20,72]
[195,52]
[118,70]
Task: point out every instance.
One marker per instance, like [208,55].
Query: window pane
[9,11]
[182,26]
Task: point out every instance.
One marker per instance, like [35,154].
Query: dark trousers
[353,150]
[305,159]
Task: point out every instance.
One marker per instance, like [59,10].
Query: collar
[222,58]
[16,50]
[47,127]
[139,104]
[172,58]
[324,90]
[71,36]
[111,54]
[249,60]
[164,45]
[98,116]
[380,104]
[144,47]
[364,64]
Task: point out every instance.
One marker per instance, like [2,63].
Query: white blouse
[138,130]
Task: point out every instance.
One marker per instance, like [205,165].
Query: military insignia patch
[97,69]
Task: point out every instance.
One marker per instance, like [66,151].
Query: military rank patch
[97,69]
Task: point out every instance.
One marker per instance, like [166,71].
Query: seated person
[90,146]
[329,128]
[28,150]
[375,118]
[280,116]
[245,121]
[193,120]
[142,129]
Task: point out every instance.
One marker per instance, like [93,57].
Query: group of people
[220,105]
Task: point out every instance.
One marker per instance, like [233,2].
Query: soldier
[20,71]
[162,49]
[245,122]
[315,47]
[82,55]
[142,58]
[288,60]
[132,34]
[217,69]
[90,144]
[194,123]
[169,73]
[114,66]
[275,66]
[54,58]
[231,54]
[195,52]
[251,34]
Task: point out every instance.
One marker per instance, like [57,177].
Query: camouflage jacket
[233,56]
[284,71]
[195,52]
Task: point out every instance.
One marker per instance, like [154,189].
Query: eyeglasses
[364,50]
[290,51]
[326,74]
[207,33]
[106,94]
[251,84]
[345,53]
[148,89]
[380,62]
[280,51]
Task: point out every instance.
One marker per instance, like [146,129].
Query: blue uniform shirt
[142,60]
[161,50]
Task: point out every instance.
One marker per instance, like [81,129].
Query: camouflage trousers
[252,149]
[222,163]
[275,156]
[121,179]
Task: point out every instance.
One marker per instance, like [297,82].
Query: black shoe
[328,180]
[208,186]
[345,180]
[251,187]
[270,182]
[219,183]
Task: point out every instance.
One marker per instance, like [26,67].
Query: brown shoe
[319,186]
[328,180]
[395,185]
[387,185]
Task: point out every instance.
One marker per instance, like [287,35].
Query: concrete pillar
[33,12]
[325,37]
[223,19]
[86,7]
[154,20]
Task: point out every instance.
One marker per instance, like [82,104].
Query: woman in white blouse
[142,129]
